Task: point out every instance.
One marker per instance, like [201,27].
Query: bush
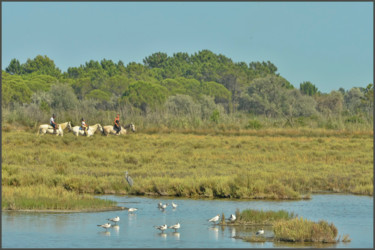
[253,124]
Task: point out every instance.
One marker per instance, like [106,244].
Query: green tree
[145,95]
[41,65]
[63,97]
[14,67]
[156,60]
[14,89]
[307,88]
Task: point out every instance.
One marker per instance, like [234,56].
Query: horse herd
[77,130]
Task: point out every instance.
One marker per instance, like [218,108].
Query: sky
[329,44]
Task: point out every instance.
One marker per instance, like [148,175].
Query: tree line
[200,87]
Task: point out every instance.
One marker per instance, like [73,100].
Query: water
[351,215]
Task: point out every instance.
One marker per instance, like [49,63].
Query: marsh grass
[260,217]
[44,198]
[303,230]
[261,164]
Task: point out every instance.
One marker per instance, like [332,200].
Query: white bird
[175,227]
[214,219]
[162,228]
[131,210]
[164,206]
[260,232]
[232,217]
[115,220]
[106,226]
[174,205]
[159,205]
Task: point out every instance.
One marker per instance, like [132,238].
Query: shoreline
[66,211]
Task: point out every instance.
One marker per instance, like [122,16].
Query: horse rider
[53,123]
[117,124]
[84,126]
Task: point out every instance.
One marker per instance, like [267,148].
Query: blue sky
[329,44]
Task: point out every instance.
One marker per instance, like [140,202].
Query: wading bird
[174,205]
[115,220]
[128,179]
[260,232]
[106,226]
[162,228]
[175,227]
[232,218]
[214,219]
[131,210]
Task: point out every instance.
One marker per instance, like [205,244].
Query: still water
[352,215]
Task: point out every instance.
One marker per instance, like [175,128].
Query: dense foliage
[210,85]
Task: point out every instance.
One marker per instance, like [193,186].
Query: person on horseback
[84,126]
[117,124]
[53,123]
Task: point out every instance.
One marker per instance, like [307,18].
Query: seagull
[106,226]
[214,219]
[161,228]
[115,220]
[260,232]
[131,210]
[232,218]
[175,227]
[174,205]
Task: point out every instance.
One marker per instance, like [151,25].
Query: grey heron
[128,178]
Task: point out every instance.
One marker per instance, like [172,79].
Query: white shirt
[52,120]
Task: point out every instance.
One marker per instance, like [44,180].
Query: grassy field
[259,164]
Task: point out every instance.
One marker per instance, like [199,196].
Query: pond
[352,215]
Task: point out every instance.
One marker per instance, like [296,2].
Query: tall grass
[256,217]
[41,197]
[303,230]
[262,164]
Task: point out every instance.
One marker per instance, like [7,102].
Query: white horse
[109,129]
[77,130]
[48,129]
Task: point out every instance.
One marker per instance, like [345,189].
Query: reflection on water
[108,233]
[352,215]
[176,234]
[116,228]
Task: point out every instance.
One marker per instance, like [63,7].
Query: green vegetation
[303,230]
[287,227]
[43,197]
[256,217]
[216,92]
[259,164]
[210,127]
